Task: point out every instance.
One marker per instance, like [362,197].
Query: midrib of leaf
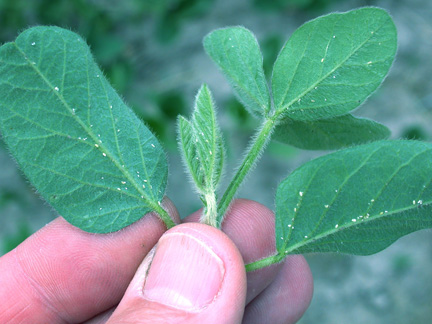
[127,174]
[88,131]
[282,108]
[364,220]
[351,224]
[337,193]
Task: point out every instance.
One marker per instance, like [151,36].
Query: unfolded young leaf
[201,143]
[236,52]
[331,64]
[358,200]
[329,134]
[81,147]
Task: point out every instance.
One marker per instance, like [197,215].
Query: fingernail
[185,273]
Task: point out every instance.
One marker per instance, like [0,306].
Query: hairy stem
[163,214]
[210,211]
[264,262]
[258,144]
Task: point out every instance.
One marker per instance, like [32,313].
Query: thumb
[194,274]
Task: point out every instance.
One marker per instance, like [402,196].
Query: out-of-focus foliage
[296,4]
[172,14]
[12,240]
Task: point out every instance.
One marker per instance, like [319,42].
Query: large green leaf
[358,201]
[236,52]
[331,64]
[329,134]
[82,148]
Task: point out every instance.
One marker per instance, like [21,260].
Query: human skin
[62,274]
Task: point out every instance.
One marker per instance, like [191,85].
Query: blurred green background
[151,51]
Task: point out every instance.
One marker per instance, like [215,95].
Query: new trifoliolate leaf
[202,151]
[201,143]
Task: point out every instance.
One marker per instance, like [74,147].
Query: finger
[286,299]
[194,275]
[102,318]
[62,274]
[250,226]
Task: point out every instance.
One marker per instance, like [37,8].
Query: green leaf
[188,151]
[358,201]
[329,134]
[201,143]
[331,64]
[82,148]
[236,52]
[202,150]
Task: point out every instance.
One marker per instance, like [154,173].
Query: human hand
[196,275]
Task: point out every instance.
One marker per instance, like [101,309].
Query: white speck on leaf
[104,154]
[301,193]
[56,89]
[34,43]
[96,145]
[152,145]
[337,225]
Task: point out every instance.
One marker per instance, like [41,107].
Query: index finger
[62,274]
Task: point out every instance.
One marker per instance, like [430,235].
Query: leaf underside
[329,134]
[357,201]
[81,147]
[331,64]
